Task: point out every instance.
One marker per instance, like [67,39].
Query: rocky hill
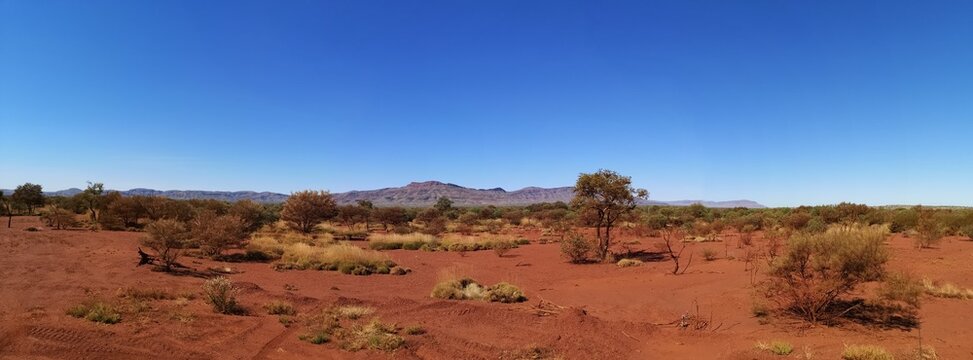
[416,194]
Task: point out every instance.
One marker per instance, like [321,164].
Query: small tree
[604,197]
[393,216]
[253,215]
[929,232]
[167,238]
[7,209]
[92,199]
[28,195]
[818,269]
[215,233]
[671,229]
[306,209]
[443,204]
[367,208]
[59,218]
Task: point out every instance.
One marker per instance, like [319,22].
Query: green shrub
[865,352]
[576,249]
[818,269]
[96,311]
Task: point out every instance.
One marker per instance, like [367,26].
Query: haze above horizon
[784,103]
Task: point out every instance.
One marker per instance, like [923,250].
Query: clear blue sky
[782,102]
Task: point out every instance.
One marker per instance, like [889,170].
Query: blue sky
[782,102]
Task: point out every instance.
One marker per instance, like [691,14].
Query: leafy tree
[443,204]
[393,216]
[253,215]
[7,208]
[167,238]
[367,208]
[29,196]
[305,209]
[92,199]
[605,196]
[215,233]
[350,215]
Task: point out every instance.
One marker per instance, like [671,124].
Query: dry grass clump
[865,352]
[629,262]
[414,330]
[274,245]
[710,254]
[946,290]
[352,336]
[775,347]
[221,294]
[145,294]
[348,259]
[461,243]
[96,311]
[411,241]
[468,289]
[375,335]
[278,307]
[353,312]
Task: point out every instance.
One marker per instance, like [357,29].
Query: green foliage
[576,248]
[167,238]
[602,198]
[818,269]
[305,209]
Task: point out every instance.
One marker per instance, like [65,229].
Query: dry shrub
[353,312]
[946,290]
[776,347]
[215,233]
[576,248]
[818,269]
[144,294]
[411,241]
[96,311]
[710,254]
[865,352]
[167,238]
[59,219]
[375,335]
[278,307]
[629,262]
[221,294]
[348,259]
[901,288]
[415,330]
[502,248]
[468,289]
[474,243]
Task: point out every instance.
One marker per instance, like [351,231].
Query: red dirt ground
[608,312]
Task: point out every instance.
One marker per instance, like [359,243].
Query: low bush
[817,270]
[576,249]
[348,259]
[353,312]
[946,290]
[415,330]
[221,294]
[96,311]
[629,262]
[468,289]
[776,347]
[278,307]
[505,293]
[502,248]
[865,352]
[412,241]
[144,294]
[375,335]
[710,254]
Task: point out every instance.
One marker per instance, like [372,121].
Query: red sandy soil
[608,312]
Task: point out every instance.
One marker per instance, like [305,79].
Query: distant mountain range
[413,195]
